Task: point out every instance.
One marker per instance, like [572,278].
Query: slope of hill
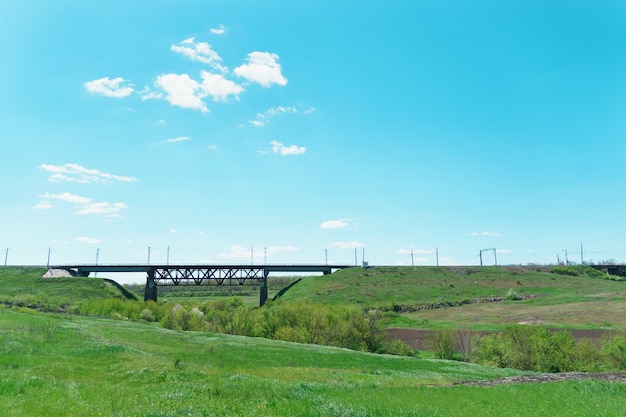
[22,286]
[426,293]
[59,365]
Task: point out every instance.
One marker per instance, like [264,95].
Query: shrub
[441,343]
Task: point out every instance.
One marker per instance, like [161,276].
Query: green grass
[587,300]
[61,365]
[26,287]
[68,365]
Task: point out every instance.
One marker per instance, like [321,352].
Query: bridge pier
[263,288]
[151,287]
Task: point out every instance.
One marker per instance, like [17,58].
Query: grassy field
[63,365]
[426,294]
[59,364]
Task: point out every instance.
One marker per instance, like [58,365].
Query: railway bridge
[228,275]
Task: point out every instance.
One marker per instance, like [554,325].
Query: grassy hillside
[26,287]
[57,365]
[583,298]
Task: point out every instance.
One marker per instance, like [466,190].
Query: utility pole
[437,255]
[356,261]
[265,256]
[566,259]
[148,255]
[495,257]
[326,255]
[97,256]
[582,263]
[6,256]
[48,263]
[412,261]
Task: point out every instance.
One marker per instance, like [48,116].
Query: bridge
[619,270]
[229,275]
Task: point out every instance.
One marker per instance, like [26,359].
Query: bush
[441,342]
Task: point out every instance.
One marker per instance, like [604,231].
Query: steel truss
[232,276]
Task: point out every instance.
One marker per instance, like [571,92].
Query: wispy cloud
[116,87]
[279,148]
[105,208]
[337,224]
[236,251]
[68,197]
[491,234]
[84,205]
[262,119]
[201,52]
[174,140]
[347,245]
[43,205]
[220,30]
[89,240]
[262,68]
[78,173]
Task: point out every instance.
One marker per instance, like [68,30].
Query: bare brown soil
[417,338]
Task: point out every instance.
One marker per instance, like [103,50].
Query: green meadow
[55,362]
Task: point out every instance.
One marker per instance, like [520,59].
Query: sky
[230,132]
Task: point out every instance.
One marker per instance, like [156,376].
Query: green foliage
[441,342]
[91,367]
[535,348]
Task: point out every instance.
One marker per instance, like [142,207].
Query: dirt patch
[417,338]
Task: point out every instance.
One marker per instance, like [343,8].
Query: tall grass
[59,365]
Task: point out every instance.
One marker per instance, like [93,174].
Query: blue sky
[280,132]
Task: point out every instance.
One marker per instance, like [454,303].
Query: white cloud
[263,118]
[504,251]
[174,140]
[333,224]
[67,197]
[200,51]
[91,241]
[148,94]
[492,234]
[236,251]
[219,87]
[220,30]
[182,91]
[310,110]
[85,205]
[347,245]
[262,68]
[278,147]
[106,208]
[78,173]
[116,87]
[44,205]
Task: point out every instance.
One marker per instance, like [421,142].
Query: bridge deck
[157,275]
